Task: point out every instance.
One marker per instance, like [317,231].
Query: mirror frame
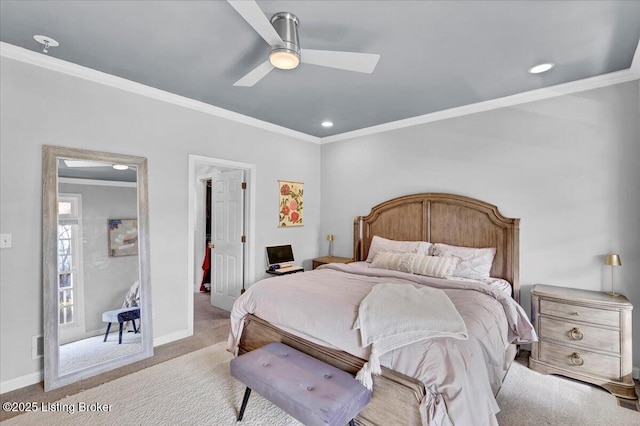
[50,156]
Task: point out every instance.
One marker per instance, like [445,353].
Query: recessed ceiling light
[120,167]
[541,68]
[327,124]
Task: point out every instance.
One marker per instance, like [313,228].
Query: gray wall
[38,106]
[567,166]
[106,279]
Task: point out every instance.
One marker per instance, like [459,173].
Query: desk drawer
[580,361]
[580,313]
[580,335]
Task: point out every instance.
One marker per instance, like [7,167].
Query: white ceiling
[435,55]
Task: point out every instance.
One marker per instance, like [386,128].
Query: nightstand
[585,335]
[329,259]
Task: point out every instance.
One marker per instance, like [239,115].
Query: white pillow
[416,263]
[475,263]
[379,244]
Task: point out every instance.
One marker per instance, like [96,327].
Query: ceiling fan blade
[252,13]
[255,75]
[83,163]
[351,61]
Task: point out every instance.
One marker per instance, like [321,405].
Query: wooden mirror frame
[50,156]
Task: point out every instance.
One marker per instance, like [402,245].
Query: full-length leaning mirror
[97,290]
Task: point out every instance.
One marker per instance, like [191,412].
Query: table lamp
[330,239]
[612,260]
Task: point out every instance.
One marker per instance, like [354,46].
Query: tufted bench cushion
[120,316]
[313,392]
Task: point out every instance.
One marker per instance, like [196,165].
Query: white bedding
[462,375]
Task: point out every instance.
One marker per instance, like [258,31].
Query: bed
[430,382]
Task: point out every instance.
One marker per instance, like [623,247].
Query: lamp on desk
[330,239]
[612,260]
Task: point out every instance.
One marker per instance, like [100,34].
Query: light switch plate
[5,240]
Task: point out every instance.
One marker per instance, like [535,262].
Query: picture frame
[291,205]
[123,237]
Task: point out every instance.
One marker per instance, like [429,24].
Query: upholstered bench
[309,390]
[120,316]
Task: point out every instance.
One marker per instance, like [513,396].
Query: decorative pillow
[434,266]
[395,261]
[475,263]
[415,263]
[379,244]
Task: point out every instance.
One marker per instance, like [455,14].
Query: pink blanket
[322,305]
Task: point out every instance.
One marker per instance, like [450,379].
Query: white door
[227,233]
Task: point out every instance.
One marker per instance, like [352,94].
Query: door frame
[250,220]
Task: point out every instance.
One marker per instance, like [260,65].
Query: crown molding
[623,76]
[55,64]
[635,62]
[49,62]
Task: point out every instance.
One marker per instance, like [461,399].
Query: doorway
[231,257]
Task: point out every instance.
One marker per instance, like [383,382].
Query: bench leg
[135,329]
[247,392]
[120,334]
[107,333]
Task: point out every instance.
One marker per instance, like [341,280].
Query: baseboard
[38,376]
[21,382]
[168,338]
[636,373]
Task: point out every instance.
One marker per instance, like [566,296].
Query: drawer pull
[576,314]
[576,334]
[576,359]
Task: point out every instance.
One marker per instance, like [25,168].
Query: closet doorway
[221,223]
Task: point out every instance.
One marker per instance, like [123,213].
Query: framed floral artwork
[291,203]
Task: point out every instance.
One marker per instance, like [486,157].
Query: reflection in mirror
[96,296]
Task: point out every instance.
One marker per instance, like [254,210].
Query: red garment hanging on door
[206,266]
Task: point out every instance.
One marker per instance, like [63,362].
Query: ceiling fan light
[284,59]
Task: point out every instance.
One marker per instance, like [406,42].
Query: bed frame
[444,218]
[435,217]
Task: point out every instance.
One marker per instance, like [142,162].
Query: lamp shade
[613,260]
[329,237]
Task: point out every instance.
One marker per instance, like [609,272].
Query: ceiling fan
[281,32]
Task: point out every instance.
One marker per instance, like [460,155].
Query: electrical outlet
[5,240]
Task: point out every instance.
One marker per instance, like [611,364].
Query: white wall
[38,106]
[567,166]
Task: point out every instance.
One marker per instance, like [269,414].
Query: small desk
[277,271]
[330,259]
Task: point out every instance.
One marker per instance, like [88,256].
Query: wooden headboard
[444,218]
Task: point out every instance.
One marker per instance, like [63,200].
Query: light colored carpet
[528,398]
[196,389]
[94,350]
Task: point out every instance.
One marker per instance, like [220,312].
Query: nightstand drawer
[580,335]
[580,361]
[580,313]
